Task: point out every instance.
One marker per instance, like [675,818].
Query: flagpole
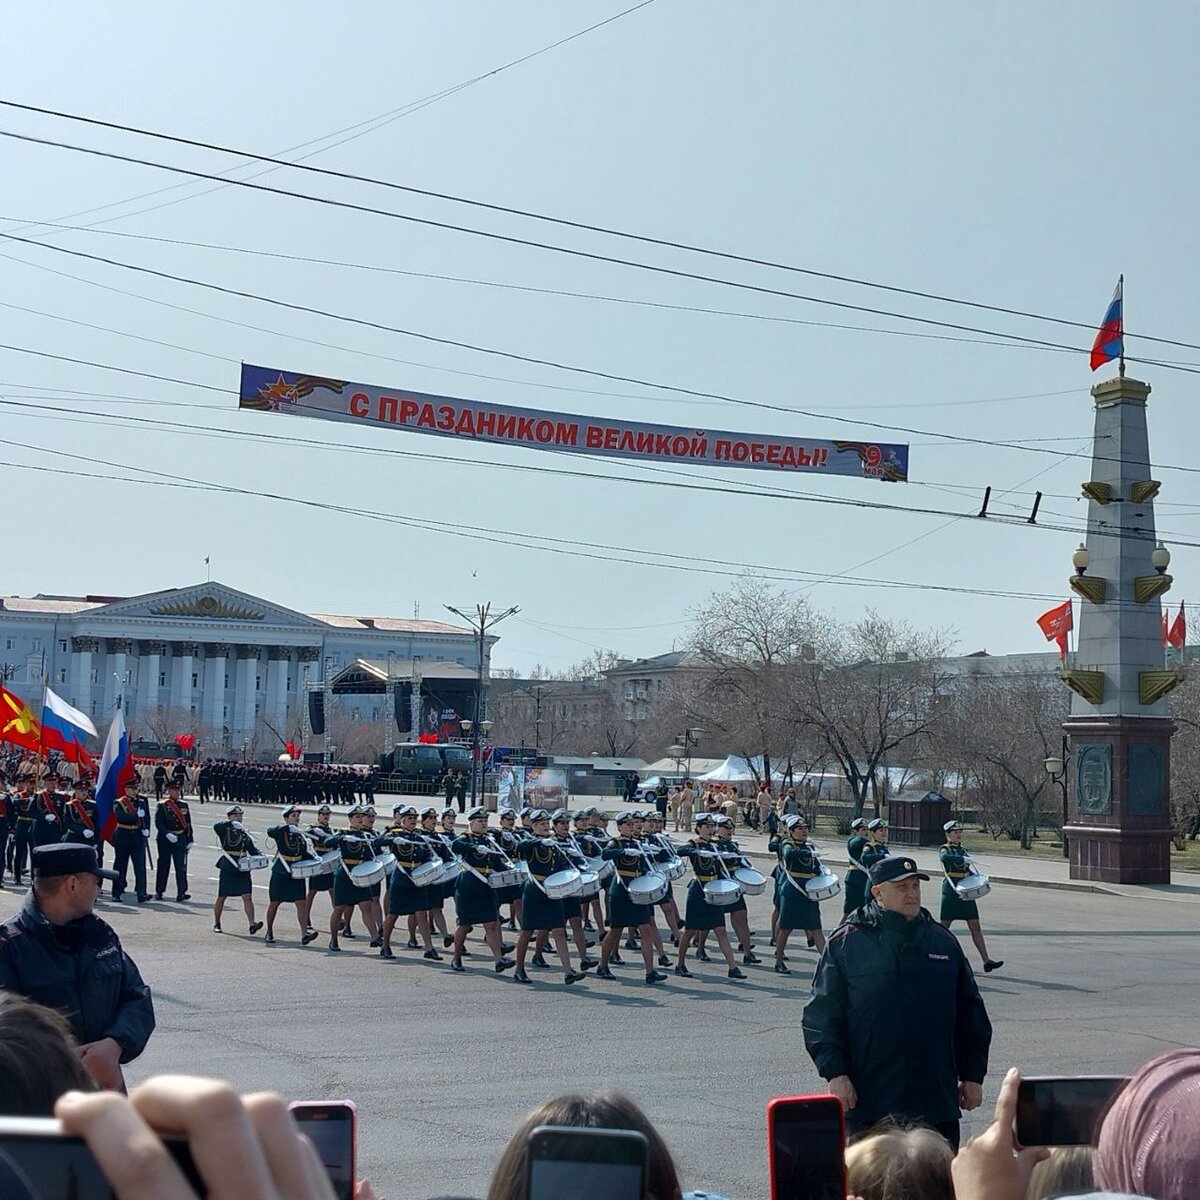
[37,781]
[1121,357]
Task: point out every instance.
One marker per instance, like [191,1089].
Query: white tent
[736,769]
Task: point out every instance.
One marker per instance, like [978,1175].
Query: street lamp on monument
[1056,768]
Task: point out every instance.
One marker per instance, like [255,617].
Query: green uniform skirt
[954,907]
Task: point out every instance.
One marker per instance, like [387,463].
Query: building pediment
[204,602]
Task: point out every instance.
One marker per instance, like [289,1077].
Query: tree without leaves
[1185,762]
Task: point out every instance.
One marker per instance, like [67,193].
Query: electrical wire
[582,226]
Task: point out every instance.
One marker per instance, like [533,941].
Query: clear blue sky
[1020,155]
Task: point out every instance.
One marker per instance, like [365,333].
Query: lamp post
[1056,768]
[682,749]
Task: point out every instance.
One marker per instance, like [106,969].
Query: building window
[162,679]
[257,708]
[195,679]
[9,644]
[93,676]
[62,675]
[37,645]
[226,684]
[193,710]
[62,645]
[258,683]
[225,711]
[289,683]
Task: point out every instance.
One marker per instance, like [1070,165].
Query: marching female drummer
[733,859]
[876,847]
[538,912]
[796,910]
[406,898]
[626,854]
[954,907]
[699,914]
[235,843]
[292,846]
[474,899]
[356,846]
[855,882]
[321,836]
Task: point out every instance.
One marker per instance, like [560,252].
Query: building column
[276,698]
[115,667]
[216,663]
[244,691]
[82,649]
[305,676]
[183,656]
[148,669]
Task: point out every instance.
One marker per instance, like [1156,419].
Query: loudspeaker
[402,705]
[316,712]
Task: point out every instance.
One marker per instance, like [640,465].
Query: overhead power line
[582,226]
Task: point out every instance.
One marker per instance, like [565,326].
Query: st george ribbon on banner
[266,389]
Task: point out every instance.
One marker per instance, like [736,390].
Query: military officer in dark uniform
[23,822]
[854,885]
[173,821]
[449,786]
[236,845]
[956,864]
[474,899]
[292,846]
[539,913]
[796,910]
[129,841]
[7,820]
[47,811]
[699,914]
[79,821]
[628,857]
[406,898]
[160,779]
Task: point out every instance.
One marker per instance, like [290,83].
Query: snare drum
[450,871]
[649,888]
[722,892]
[974,886]
[752,882]
[369,873]
[823,887]
[252,862]
[601,867]
[673,868]
[562,884]
[589,885]
[512,877]
[307,867]
[426,873]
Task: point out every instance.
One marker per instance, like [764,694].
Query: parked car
[650,789]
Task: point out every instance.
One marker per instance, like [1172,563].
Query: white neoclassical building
[217,658]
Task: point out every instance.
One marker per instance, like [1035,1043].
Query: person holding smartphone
[895,1021]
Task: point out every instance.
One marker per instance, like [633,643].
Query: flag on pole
[17,724]
[64,728]
[1056,624]
[1110,339]
[116,768]
[1177,637]
[1166,636]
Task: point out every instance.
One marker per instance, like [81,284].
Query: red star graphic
[278,392]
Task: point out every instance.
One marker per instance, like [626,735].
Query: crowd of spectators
[1147,1143]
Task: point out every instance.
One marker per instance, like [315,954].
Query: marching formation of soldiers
[273,783]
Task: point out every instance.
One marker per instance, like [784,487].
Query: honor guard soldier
[405,897]
[79,821]
[292,846]
[160,779]
[855,882]
[796,910]
[235,846]
[321,836]
[7,819]
[628,857]
[956,864]
[24,815]
[47,811]
[540,913]
[699,914]
[474,899]
[173,820]
[129,841]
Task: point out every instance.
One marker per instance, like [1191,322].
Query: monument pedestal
[1120,826]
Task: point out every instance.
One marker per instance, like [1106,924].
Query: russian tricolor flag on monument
[116,768]
[65,728]
[1110,340]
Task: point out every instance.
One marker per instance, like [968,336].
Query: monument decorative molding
[208,607]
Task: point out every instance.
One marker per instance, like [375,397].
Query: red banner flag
[1178,634]
[17,723]
[1056,624]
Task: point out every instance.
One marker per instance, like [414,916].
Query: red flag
[1178,635]
[17,723]
[1056,623]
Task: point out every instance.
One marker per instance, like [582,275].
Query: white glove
[235,824]
[87,833]
[141,812]
[293,828]
[172,838]
[145,833]
[51,817]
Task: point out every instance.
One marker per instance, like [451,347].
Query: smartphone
[601,1164]
[331,1127]
[1063,1111]
[806,1143]
[40,1162]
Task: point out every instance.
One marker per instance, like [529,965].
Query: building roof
[659,662]
[388,624]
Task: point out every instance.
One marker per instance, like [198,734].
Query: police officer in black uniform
[173,820]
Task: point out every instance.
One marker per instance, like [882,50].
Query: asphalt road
[442,1066]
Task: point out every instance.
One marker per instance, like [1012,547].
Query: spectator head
[892,1162]
[1147,1143]
[602,1110]
[39,1060]
[1067,1172]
